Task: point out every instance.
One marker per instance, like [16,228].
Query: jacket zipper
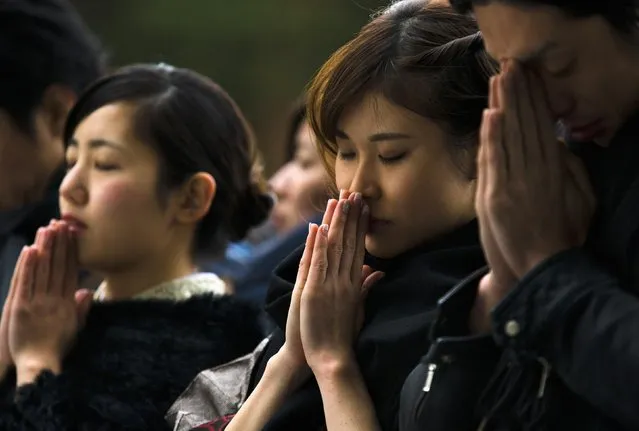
[432,368]
[428,385]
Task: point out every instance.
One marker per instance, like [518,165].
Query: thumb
[370,280]
[83,301]
[366,272]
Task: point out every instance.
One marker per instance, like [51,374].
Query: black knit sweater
[130,363]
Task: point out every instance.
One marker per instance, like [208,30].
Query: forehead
[304,137]
[375,113]
[110,122]
[520,32]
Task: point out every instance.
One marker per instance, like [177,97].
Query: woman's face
[398,160]
[111,188]
[300,185]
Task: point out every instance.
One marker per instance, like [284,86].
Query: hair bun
[252,210]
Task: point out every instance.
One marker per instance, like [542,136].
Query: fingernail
[346,207]
[358,198]
[365,211]
[324,229]
[309,227]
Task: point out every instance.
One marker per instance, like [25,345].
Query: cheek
[419,195]
[121,196]
[343,176]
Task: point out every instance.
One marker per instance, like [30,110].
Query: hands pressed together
[534,197]
[43,311]
[327,304]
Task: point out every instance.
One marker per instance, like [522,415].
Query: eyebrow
[378,137]
[98,143]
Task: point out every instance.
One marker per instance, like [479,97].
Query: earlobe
[197,196]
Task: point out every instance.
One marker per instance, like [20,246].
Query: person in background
[160,168]
[397,112]
[301,189]
[48,57]
[547,338]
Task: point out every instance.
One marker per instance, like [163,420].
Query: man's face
[589,71]
[27,161]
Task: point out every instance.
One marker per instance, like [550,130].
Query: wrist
[490,293]
[292,374]
[28,369]
[480,320]
[533,260]
[335,369]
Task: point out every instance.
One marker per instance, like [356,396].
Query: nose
[560,101]
[280,181]
[73,189]
[365,181]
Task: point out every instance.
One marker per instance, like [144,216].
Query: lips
[586,132]
[75,224]
[377,224]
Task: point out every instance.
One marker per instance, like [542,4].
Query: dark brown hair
[420,55]
[194,126]
[623,15]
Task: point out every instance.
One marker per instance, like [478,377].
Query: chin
[380,248]
[89,259]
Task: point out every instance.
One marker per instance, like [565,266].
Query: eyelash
[565,71]
[98,166]
[384,160]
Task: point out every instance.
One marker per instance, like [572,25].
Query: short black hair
[43,42]
[194,126]
[623,15]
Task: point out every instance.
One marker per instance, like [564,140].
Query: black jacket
[574,317]
[399,311]
[130,363]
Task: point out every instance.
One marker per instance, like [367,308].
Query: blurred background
[263,52]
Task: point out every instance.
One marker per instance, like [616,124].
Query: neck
[133,281]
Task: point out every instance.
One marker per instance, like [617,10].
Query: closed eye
[564,71]
[106,167]
[392,159]
[344,155]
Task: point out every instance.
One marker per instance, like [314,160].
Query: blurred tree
[262,52]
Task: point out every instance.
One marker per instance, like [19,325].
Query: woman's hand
[291,354]
[333,297]
[44,316]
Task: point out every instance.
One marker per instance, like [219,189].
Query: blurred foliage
[263,52]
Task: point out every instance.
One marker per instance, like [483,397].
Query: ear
[57,101]
[195,198]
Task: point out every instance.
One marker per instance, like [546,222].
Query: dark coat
[399,311]
[575,317]
[130,363]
